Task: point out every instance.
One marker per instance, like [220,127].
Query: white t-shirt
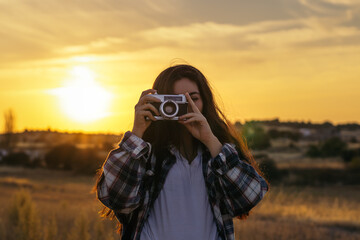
[182,210]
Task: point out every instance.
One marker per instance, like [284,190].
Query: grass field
[65,208]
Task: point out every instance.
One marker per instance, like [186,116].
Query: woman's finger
[148,98]
[187,115]
[149,106]
[192,104]
[147,114]
[193,119]
[146,92]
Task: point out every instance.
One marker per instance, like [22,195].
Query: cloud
[324,7]
[348,41]
[254,37]
[208,36]
[343,2]
[38,30]
[97,45]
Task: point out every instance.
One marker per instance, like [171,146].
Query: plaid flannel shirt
[126,185]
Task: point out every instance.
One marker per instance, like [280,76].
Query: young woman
[180,179]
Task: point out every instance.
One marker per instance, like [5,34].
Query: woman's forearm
[214,146]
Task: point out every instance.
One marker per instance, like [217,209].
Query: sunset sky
[82,65]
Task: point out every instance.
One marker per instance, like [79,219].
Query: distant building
[37,143]
[350,135]
[3,153]
[305,132]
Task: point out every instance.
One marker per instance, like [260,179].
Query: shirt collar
[173,150]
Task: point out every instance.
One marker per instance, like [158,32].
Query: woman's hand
[199,127]
[142,110]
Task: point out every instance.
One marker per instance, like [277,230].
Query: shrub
[348,154]
[330,148]
[86,161]
[333,147]
[68,157]
[61,157]
[269,168]
[80,229]
[255,136]
[19,158]
[99,230]
[51,230]
[23,217]
[353,140]
[354,164]
[2,229]
[36,162]
[313,151]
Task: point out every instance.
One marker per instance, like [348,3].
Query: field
[65,208]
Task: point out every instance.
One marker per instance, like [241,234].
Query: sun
[82,98]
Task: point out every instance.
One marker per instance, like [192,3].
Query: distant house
[350,135]
[305,132]
[37,143]
[3,153]
[33,149]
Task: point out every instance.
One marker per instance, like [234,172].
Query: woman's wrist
[137,133]
[214,146]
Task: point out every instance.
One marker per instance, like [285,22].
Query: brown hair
[163,133]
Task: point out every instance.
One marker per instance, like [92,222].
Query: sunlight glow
[82,98]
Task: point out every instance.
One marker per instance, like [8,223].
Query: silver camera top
[180,98]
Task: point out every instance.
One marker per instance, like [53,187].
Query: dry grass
[61,197]
[305,213]
[64,200]
[336,204]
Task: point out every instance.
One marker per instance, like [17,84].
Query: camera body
[171,107]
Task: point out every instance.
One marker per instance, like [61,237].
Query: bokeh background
[286,73]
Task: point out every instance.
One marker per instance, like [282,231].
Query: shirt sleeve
[120,184]
[239,185]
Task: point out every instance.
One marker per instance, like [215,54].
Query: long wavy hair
[161,134]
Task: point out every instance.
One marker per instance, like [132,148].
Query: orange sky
[81,66]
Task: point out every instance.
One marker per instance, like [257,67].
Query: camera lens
[169,109]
